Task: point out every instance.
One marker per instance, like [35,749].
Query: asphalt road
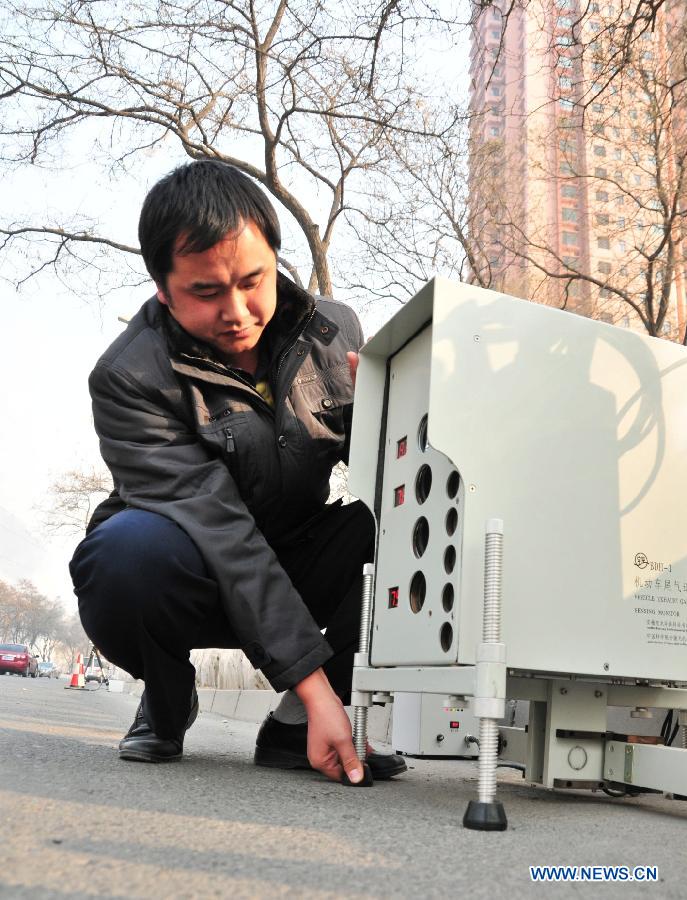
[77,822]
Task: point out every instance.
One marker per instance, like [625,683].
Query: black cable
[667,724]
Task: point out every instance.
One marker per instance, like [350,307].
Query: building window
[604,268]
[606,317]
[564,22]
[569,238]
[564,62]
[602,196]
[495,132]
[564,103]
[622,246]
[564,82]
[496,90]
[565,168]
[601,219]
[600,173]
[599,150]
[621,221]
[603,243]
[569,190]
[569,215]
[595,26]
[638,179]
[597,107]
[617,153]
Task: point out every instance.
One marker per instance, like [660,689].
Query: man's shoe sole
[142,756]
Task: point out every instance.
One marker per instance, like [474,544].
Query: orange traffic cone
[78,680]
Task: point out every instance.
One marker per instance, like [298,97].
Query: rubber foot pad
[485,816]
[366,781]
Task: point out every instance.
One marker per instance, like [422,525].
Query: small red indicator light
[453,725]
[399,495]
[402,447]
[393,597]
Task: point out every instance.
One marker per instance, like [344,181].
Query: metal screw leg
[359,711]
[487,814]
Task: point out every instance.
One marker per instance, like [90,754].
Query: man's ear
[161,294]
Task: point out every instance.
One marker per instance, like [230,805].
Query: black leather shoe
[281,746]
[141,744]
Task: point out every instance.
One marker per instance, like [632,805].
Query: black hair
[200,202]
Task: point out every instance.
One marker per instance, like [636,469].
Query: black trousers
[146,600]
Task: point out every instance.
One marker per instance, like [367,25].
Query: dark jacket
[191,439]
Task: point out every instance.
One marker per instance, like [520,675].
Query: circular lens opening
[447,597]
[420,536]
[452,484]
[451,521]
[446,637]
[423,483]
[418,590]
[449,559]
[422,441]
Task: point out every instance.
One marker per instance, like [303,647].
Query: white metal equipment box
[571,431]
[569,436]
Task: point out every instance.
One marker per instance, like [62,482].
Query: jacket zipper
[231,444]
[286,352]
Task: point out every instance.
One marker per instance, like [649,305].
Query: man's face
[226,295]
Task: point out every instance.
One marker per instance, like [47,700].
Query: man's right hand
[330,740]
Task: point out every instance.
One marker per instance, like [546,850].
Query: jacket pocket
[228,437]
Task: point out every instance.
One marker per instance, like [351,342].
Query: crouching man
[221,411]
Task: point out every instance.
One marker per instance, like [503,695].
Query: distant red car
[17,658]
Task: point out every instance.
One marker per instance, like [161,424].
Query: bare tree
[74,496]
[305,97]
[29,617]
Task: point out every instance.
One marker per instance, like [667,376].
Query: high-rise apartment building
[578,159]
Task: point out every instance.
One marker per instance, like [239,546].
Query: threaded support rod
[360,712]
